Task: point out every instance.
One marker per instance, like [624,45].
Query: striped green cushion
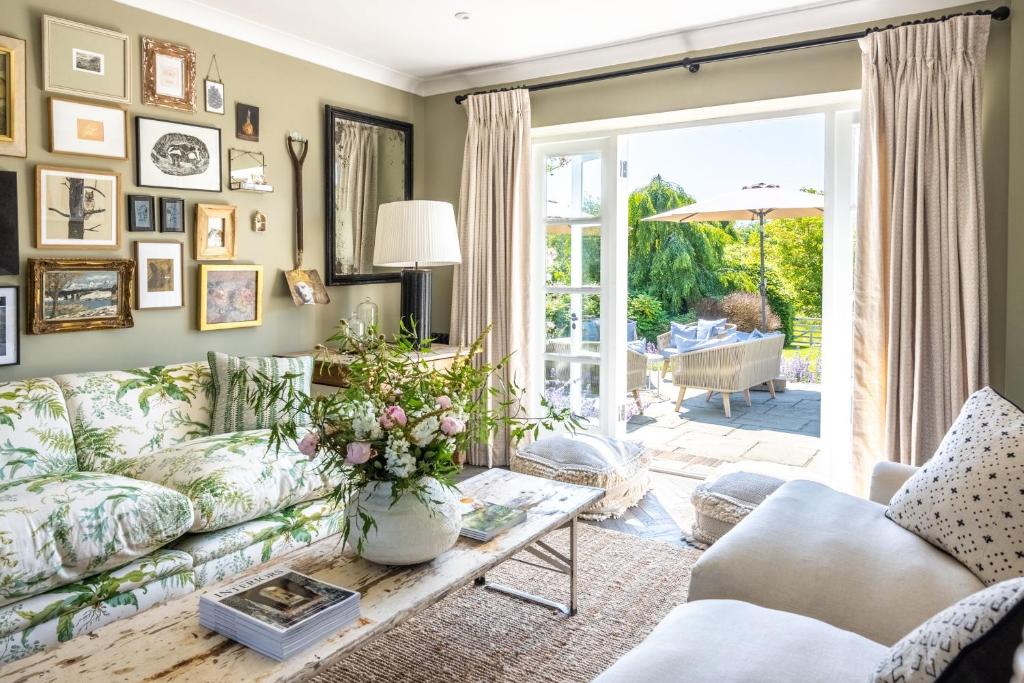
[232,381]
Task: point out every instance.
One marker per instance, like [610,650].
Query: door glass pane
[557,263]
[591,332]
[558,323]
[590,248]
[572,185]
[574,385]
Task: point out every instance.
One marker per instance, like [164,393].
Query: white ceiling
[420,46]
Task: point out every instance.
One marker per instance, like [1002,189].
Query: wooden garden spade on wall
[305,286]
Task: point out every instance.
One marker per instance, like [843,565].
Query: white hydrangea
[398,461]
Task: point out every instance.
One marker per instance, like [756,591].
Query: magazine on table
[482,521]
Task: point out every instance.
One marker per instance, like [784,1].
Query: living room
[344,394]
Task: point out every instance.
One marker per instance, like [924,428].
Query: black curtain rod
[693,64]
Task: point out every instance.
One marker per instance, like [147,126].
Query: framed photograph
[214,96]
[160,272]
[216,232]
[10,351]
[77,208]
[179,156]
[306,287]
[92,130]
[86,61]
[10,263]
[247,122]
[230,296]
[172,214]
[168,75]
[141,213]
[13,137]
[69,295]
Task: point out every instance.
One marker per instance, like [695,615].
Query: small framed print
[86,61]
[168,75]
[172,214]
[160,274]
[247,122]
[77,208]
[10,352]
[85,129]
[13,137]
[70,295]
[216,232]
[230,296]
[141,213]
[214,96]
[179,156]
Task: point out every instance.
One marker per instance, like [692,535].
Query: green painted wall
[1015,236]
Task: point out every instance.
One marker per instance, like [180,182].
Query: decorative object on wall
[77,208]
[306,287]
[13,138]
[214,89]
[86,61]
[247,122]
[10,264]
[141,213]
[10,341]
[86,129]
[68,295]
[168,75]
[216,234]
[160,270]
[230,296]
[259,221]
[181,156]
[172,214]
[247,171]
[368,163]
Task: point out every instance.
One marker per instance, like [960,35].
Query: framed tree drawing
[69,295]
[77,208]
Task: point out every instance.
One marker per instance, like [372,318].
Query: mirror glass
[247,171]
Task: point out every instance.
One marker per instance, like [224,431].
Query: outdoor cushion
[757,334]
[35,434]
[684,331]
[61,528]
[686,345]
[639,346]
[233,380]
[232,478]
[630,330]
[709,328]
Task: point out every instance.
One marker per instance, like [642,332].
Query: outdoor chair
[665,343]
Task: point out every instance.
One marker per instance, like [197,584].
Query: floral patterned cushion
[125,413]
[35,434]
[232,478]
[61,528]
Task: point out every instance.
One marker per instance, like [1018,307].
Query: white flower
[397,459]
[425,431]
[364,420]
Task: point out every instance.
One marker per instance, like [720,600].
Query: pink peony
[310,442]
[444,403]
[450,426]
[358,452]
[393,415]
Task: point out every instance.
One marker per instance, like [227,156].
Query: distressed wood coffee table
[166,643]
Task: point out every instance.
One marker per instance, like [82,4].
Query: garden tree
[793,251]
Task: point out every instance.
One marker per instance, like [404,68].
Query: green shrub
[646,310]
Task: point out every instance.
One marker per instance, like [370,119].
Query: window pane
[557,323]
[557,264]
[573,185]
[574,385]
[591,254]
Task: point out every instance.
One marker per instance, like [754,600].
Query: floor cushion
[35,433]
[232,478]
[720,504]
[61,528]
[713,641]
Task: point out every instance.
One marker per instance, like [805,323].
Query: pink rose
[358,452]
[393,415]
[310,442]
[444,403]
[450,426]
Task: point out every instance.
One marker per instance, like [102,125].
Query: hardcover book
[487,520]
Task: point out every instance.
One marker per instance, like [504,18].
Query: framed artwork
[86,129]
[172,214]
[168,75]
[13,135]
[86,61]
[179,156]
[69,295]
[141,213]
[160,272]
[10,264]
[214,96]
[306,287]
[10,346]
[77,208]
[247,122]
[230,296]
[216,232]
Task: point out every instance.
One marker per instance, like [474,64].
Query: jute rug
[626,585]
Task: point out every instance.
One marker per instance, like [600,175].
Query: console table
[329,367]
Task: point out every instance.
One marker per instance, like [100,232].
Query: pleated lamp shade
[417,232]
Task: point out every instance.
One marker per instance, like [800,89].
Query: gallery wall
[291,95]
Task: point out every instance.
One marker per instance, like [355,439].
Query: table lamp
[409,235]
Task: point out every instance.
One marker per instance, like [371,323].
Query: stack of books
[484,521]
[278,612]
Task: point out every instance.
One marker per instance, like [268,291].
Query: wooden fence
[806,332]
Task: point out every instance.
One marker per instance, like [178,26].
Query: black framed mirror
[368,163]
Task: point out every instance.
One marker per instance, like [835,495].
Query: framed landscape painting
[86,61]
[179,156]
[230,296]
[9,338]
[92,130]
[159,268]
[77,208]
[69,295]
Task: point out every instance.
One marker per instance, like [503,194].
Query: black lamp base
[416,305]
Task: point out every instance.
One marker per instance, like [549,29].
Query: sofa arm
[886,480]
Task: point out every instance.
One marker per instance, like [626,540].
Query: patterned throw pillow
[969,498]
[972,641]
[233,380]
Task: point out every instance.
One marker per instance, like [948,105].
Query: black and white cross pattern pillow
[969,498]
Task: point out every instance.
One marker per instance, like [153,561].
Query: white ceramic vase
[408,532]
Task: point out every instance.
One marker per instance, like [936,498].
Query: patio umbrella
[759,202]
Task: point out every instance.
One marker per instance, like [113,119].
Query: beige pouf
[722,503]
[618,467]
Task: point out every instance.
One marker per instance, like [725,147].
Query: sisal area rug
[626,585]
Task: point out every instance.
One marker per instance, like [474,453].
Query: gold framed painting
[86,61]
[160,275]
[77,208]
[168,75]
[70,295]
[87,129]
[306,287]
[216,232]
[230,296]
[13,133]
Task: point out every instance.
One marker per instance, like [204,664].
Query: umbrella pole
[761,287]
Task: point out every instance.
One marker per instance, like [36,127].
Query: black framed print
[178,156]
[9,259]
[172,214]
[10,338]
[141,213]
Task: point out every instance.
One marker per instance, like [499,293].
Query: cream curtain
[491,286]
[920,313]
[356,209]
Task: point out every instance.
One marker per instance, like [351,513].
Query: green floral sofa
[114,496]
